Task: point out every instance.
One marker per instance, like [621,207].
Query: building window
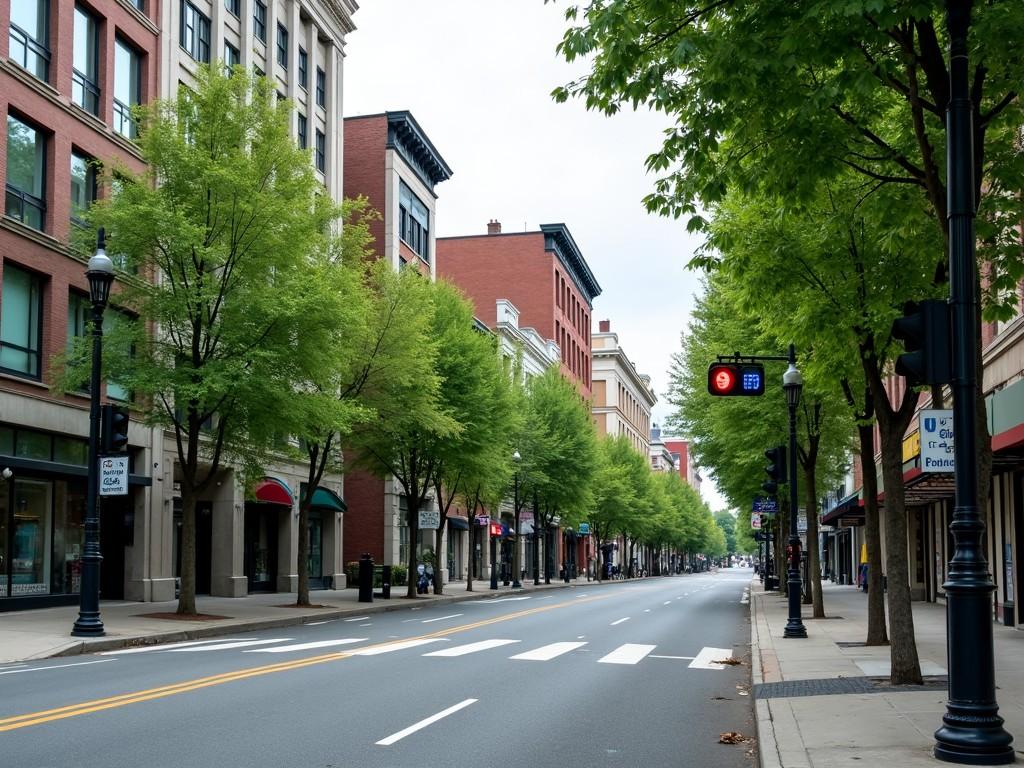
[140,4]
[231,58]
[303,69]
[26,165]
[30,36]
[83,186]
[302,131]
[126,88]
[195,32]
[234,7]
[21,322]
[259,20]
[282,46]
[321,87]
[85,91]
[413,222]
[321,163]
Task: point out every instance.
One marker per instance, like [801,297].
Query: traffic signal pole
[972,731]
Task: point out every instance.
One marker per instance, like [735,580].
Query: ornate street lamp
[516,584]
[792,385]
[101,276]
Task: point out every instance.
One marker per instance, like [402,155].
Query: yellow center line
[124,699]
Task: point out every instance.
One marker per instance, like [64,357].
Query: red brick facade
[518,267]
[363,174]
[65,127]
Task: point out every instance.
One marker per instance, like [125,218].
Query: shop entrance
[261,524]
[315,560]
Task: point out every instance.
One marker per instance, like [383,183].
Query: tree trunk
[873,538]
[438,544]
[187,591]
[302,598]
[412,517]
[813,556]
[906,667]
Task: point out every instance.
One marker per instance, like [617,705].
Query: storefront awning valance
[849,509]
[270,490]
[458,523]
[325,498]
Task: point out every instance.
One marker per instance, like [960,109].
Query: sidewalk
[46,632]
[818,707]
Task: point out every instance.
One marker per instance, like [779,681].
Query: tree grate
[832,686]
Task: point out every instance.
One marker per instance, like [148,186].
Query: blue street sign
[765,505]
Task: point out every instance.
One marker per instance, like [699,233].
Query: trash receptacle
[366,578]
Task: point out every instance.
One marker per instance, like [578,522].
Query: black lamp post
[793,384]
[972,731]
[101,276]
[536,543]
[516,584]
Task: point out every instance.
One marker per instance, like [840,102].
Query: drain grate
[833,686]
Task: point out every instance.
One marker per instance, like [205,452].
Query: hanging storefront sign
[936,429]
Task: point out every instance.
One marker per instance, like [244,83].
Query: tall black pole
[494,563]
[516,584]
[795,625]
[88,623]
[972,731]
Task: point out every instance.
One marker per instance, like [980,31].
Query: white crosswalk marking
[547,652]
[168,646]
[462,650]
[399,646]
[307,646]
[619,621]
[229,646]
[630,653]
[707,656]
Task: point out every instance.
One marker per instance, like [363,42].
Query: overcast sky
[477,75]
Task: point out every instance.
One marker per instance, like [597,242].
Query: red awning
[270,490]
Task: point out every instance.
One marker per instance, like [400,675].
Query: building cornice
[558,240]
[407,138]
[624,363]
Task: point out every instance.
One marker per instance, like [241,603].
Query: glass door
[316,550]
[30,553]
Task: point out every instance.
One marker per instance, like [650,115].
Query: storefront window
[6,441]
[68,537]
[30,554]
[68,450]
[32,445]
[3,543]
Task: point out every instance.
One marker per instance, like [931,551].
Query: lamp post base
[795,629]
[973,735]
[88,626]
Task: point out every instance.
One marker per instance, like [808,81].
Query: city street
[618,674]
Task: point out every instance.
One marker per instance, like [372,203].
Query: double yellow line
[136,697]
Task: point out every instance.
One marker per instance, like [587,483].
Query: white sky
[477,75]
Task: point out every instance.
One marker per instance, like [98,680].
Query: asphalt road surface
[618,674]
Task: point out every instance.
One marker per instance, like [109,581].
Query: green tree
[619,479]
[413,416]
[228,218]
[725,520]
[559,453]
[478,394]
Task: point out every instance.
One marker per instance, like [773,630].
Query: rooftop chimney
[493,227]
[604,326]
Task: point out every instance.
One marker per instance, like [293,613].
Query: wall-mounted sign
[430,519]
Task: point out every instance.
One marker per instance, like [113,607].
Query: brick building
[68,74]
[543,273]
[390,160]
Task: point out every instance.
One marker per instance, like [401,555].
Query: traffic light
[736,379]
[114,432]
[925,332]
[776,469]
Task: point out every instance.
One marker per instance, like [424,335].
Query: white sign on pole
[755,520]
[801,521]
[113,476]
[430,519]
[936,440]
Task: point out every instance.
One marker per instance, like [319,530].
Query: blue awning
[458,523]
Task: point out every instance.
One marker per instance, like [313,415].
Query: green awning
[325,498]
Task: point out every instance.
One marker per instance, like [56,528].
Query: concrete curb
[97,645]
[767,745]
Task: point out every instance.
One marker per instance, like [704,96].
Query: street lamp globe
[516,457]
[100,272]
[792,384]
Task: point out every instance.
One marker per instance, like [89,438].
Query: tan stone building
[622,398]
